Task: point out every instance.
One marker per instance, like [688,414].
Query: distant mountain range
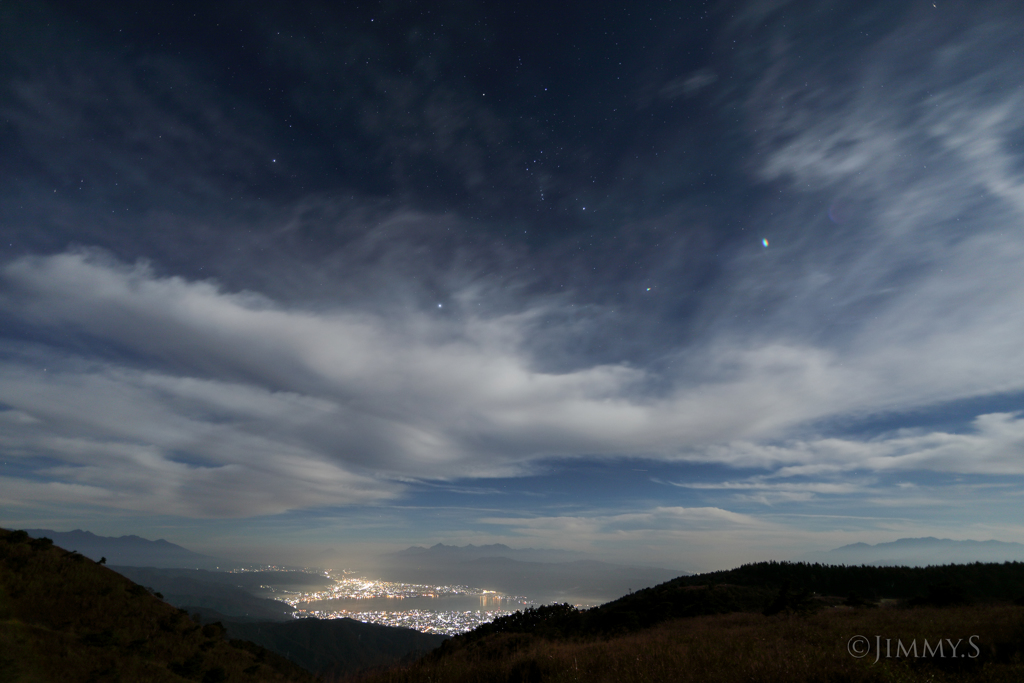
[920,552]
[542,575]
[131,551]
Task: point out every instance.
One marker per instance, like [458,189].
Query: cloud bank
[229,404]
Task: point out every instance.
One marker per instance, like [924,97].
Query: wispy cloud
[993,446]
[220,391]
[662,518]
[766,492]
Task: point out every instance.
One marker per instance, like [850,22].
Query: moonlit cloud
[680,519]
[244,395]
[994,446]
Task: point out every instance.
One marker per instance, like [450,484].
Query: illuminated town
[447,622]
[427,621]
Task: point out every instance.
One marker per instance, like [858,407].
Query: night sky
[676,283]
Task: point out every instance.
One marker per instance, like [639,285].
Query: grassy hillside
[65,618]
[771,587]
[763,622]
[743,647]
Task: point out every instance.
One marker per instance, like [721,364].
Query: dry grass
[746,647]
[65,618]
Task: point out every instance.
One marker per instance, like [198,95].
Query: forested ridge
[772,587]
[977,581]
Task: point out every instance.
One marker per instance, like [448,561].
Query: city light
[447,622]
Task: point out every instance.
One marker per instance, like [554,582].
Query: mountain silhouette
[132,551]
[920,552]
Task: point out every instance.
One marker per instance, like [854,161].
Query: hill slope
[769,586]
[66,618]
[745,647]
[337,647]
[711,627]
[198,590]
